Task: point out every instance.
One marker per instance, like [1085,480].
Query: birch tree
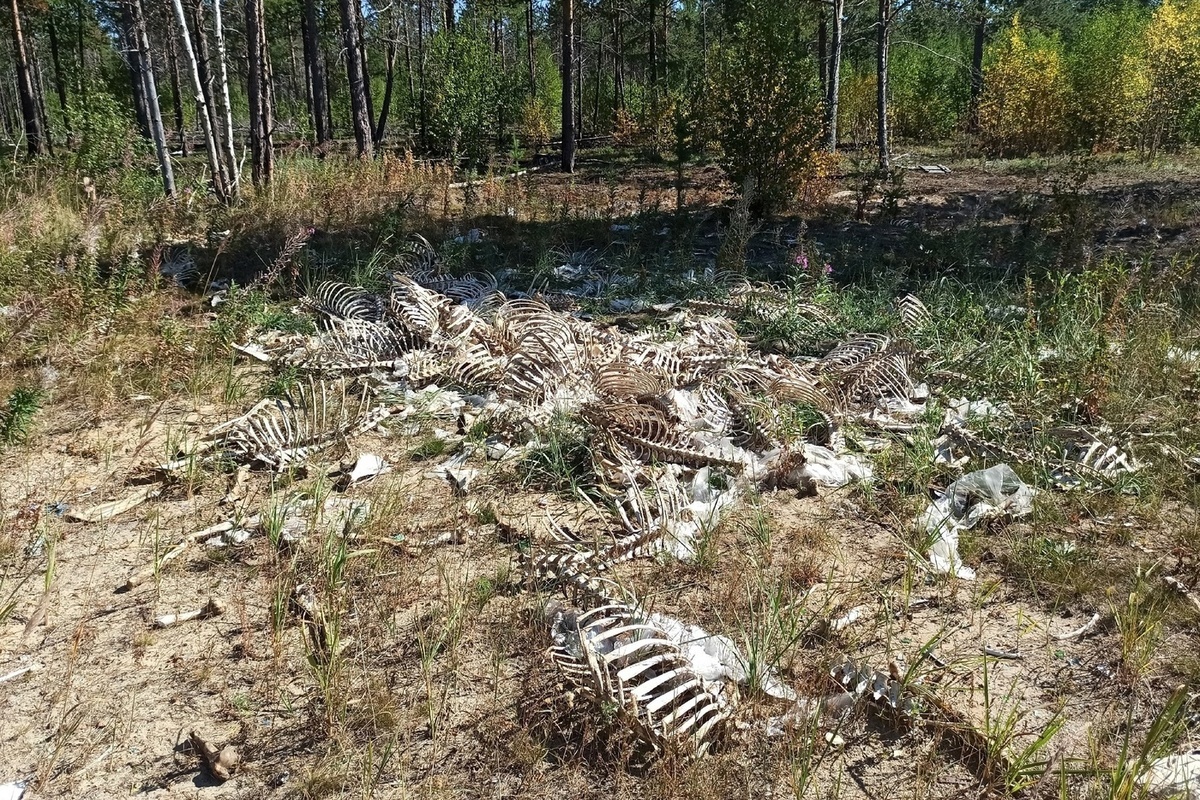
[150,89]
[235,181]
[210,145]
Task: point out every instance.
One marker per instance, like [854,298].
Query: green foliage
[766,105]
[561,461]
[473,98]
[1108,79]
[1026,94]
[929,88]
[17,415]
[106,134]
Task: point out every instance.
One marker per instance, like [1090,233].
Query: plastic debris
[716,658]
[1175,776]
[834,470]
[960,409]
[992,492]
[12,791]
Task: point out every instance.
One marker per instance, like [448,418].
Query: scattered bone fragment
[824,711]
[213,608]
[849,618]
[1079,632]
[148,573]
[1182,588]
[235,537]
[221,762]
[367,466]
[237,490]
[995,652]
[16,673]
[253,350]
[106,511]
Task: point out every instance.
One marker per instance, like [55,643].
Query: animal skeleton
[664,410]
[616,654]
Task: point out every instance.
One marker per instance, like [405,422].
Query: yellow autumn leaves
[1129,80]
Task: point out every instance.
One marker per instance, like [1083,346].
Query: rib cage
[278,432]
[337,300]
[616,655]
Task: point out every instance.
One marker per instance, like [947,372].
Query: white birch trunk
[235,177]
[210,147]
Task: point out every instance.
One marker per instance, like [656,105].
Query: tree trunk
[883,31]
[665,48]
[255,94]
[529,49]
[599,70]
[354,72]
[618,64]
[5,118]
[210,144]
[235,178]
[147,77]
[134,60]
[408,67]
[977,66]
[177,94]
[362,50]
[34,135]
[316,72]
[577,51]
[823,54]
[424,109]
[59,86]
[204,59]
[834,85]
[309,105]
[448,19]
[388,82]
[80,83]
[39,94]
[653,52]
[568,84]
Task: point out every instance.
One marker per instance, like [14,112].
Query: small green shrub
[767,108]
[17,416]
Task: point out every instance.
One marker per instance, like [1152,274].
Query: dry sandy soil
[442,687]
